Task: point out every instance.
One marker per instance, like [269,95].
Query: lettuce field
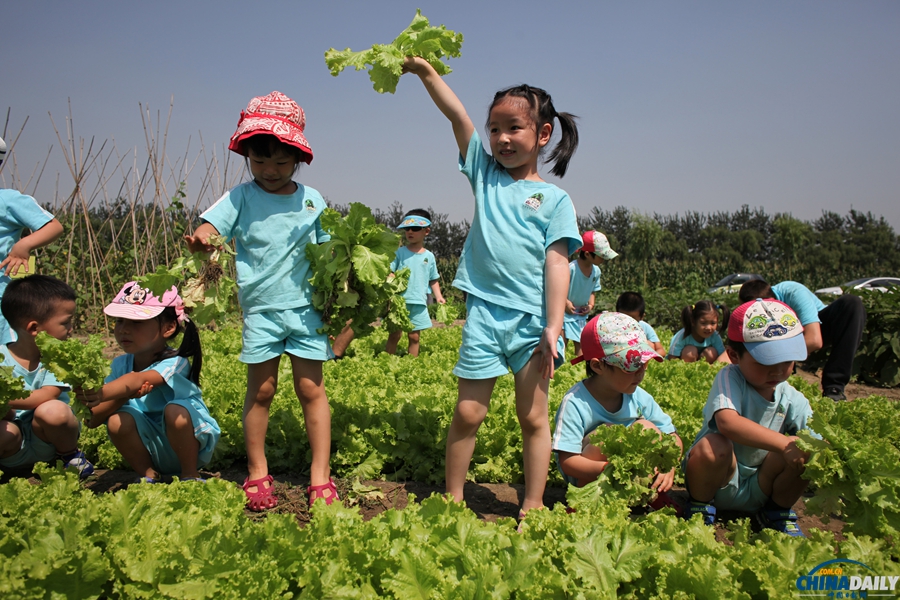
[390,415]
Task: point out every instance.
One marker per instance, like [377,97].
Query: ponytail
[687,319]
[543,112]
[726,314]
[190,342]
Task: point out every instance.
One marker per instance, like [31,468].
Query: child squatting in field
[584,281]
[616,354]
[41,427]
[745,456]
[151,402]
[513,268]
[19,212]
[699,338]
[271,219]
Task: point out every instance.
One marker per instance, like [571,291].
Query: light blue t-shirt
[18,212]
[33,380]
[679,341]
[788,413]
[422,271]
[796,295]
[579,414]
[503,259]
[175,371]
[270,232]
[649,331]
[581,287]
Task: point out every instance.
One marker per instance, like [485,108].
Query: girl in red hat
[271,219]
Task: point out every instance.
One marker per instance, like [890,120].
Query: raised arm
[18,254]
[199,242]
[444,99]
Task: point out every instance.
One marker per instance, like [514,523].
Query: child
[19,212]
[616,354]
[632,304]
[271,219]
[151,402]
[513,268]
[41,427]
[584,280]
[745,456]
[700,337]
[423,275]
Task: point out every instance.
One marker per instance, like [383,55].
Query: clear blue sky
[705,105]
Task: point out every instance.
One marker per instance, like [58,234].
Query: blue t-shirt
[579,414]
[34,380]
[679,341]
[502,261]
[18,212]
[649,331]
[271,232]
[174,371]
[581,287]
[422,271]
[796,295]
[788,413]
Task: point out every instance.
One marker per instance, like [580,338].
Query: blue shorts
[33,449]
[496,339]
[152,429]
[270,334]
[418,315]
[573,325]
[741,493]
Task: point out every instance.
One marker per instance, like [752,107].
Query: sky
[704,106]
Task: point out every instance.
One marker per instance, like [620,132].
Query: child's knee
[54,413]
[647,425]
[689,354]
[413,337]
[10,439]
[120,423]
[710,354]
[177,416]
[713,449]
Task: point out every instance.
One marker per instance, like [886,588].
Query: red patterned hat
[277,115]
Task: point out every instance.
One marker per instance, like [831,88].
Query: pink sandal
[318,492]
[262,499]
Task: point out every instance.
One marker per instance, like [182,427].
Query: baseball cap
[274,114]
[139,304]
[769,330]
[596,242]
[616,339]
[413,221]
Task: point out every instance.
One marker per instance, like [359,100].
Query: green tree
[644,240]
[792,237]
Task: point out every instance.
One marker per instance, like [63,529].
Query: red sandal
[262,499]
[318,492]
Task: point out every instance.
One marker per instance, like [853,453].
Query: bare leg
[689,354]
[180,432]
[262,381]
[124,434]
[472,403]
[532,411]
[310,388]
[393,339]
[710,466]
[710,354]
[780,481]
[55,423]
[577,347]
[413,343]
[342,341]
[10,439]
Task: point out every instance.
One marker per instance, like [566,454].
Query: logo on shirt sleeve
[310,205]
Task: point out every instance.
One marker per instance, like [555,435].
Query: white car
[880,284]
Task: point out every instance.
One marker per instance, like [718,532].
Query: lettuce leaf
[385,61]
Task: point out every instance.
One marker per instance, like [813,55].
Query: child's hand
[570,308]
[415,65]
[663,482]
[547,350]
[793,455]
[89,398]
[145,389]
[196,244]
[18,257]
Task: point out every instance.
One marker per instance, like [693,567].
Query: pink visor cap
[139,304]
[274,114]
[769,330]
[617,340]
